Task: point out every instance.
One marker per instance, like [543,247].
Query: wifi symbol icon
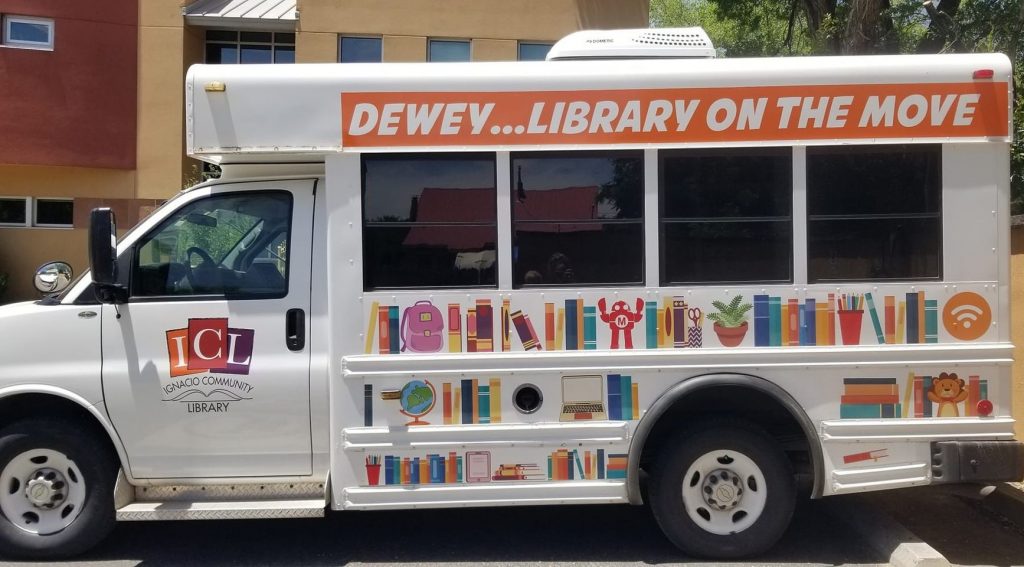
[967,316]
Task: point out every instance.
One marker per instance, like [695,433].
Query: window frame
[519,49]
[35,212]
[132,255]
[238,43]
[431,41]
[27,202]
[641,221]
[492,156]
[938,215]
[662,220]
[342,38]
[22,44]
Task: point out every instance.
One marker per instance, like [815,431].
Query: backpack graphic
[422,328]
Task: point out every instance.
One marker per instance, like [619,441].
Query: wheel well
[30,406]
[739,402]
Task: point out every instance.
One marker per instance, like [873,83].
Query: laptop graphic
[582,398]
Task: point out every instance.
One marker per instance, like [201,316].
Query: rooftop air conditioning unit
[674,43]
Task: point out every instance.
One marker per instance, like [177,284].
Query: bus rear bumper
[977,461]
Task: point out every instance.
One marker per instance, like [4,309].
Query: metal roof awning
[276,15]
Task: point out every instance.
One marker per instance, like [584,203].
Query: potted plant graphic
[730,320]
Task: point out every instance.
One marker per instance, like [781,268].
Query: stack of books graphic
[617,464]
[623,398]
[471,402]
[866,398]
[527,471]
[433,469]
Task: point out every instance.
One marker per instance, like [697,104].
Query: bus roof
[267,113]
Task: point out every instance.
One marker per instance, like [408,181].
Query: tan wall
[538,20]
[22,250]
[495,50]
[162,47]
[1017,320]
[404,49]
[316,47]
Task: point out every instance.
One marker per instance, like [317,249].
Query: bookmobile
[489,284]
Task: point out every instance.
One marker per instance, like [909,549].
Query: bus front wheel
[723,489]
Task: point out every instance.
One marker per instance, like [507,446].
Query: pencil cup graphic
[849,325]
[373,474]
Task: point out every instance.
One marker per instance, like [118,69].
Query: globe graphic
[417,399]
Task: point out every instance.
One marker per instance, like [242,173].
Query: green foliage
[732,315]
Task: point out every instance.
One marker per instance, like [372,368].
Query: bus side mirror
[103,255]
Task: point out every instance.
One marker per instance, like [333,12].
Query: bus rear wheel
[56,490]
[723,490]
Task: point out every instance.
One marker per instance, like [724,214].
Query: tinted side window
[429,220]
[874,212]
[233,245]
[726,215]
[577,218]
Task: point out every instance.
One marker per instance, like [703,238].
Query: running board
[218,502]
[484,494]
[234,510]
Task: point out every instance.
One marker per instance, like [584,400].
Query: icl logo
[209,345]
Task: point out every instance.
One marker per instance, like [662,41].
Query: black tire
[98,468]
[720,441]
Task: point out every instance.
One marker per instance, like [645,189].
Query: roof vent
[674,43]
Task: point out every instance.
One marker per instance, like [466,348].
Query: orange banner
[681,115]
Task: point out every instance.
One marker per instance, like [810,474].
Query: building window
[429,220]
[726,215]
[249,47]
[53,213]
[28,32]
[444,50]
[359,50]
[533,51]
[41,212]
[577,218]
[14,211]
[874,212]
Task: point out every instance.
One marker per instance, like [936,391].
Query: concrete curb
[884,534]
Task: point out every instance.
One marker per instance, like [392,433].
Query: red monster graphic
[621,320]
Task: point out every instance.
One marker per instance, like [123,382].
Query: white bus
[713,286]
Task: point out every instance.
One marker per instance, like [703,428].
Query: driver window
[233,245]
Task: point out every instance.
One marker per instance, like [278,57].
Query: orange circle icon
[966,316]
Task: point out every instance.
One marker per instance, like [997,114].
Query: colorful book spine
[484,326]
[876,321]
[384,334]
[446,403]
[794,322]
[761,321]
[579,464]
[600,464]
[908,393]
[920,317]
[484,404]
[635,398]
[617,464]
[579,324]
[468,400]
[919,396]
[931,321]
[912,318]
[471,329]
[506,338]
[775,321]
[901,318]
[831,319]
[474,394]
[810,322]
[665,324]
[821,323]
[457,409]
[589,327]
[784,329]
[368,405]
[890,320]
[679,322]
[560,329]
[495,384]
[525,331]
[651,314]
[393,330]
[973,396]
[614,397]
[927,386]
[371,328]
[626,396]
[571,328]
[534,338]
[454,328]
[449,468]
[549,326]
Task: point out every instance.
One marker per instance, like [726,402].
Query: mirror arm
[111,293]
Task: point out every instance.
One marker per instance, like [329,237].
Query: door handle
[295,329]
